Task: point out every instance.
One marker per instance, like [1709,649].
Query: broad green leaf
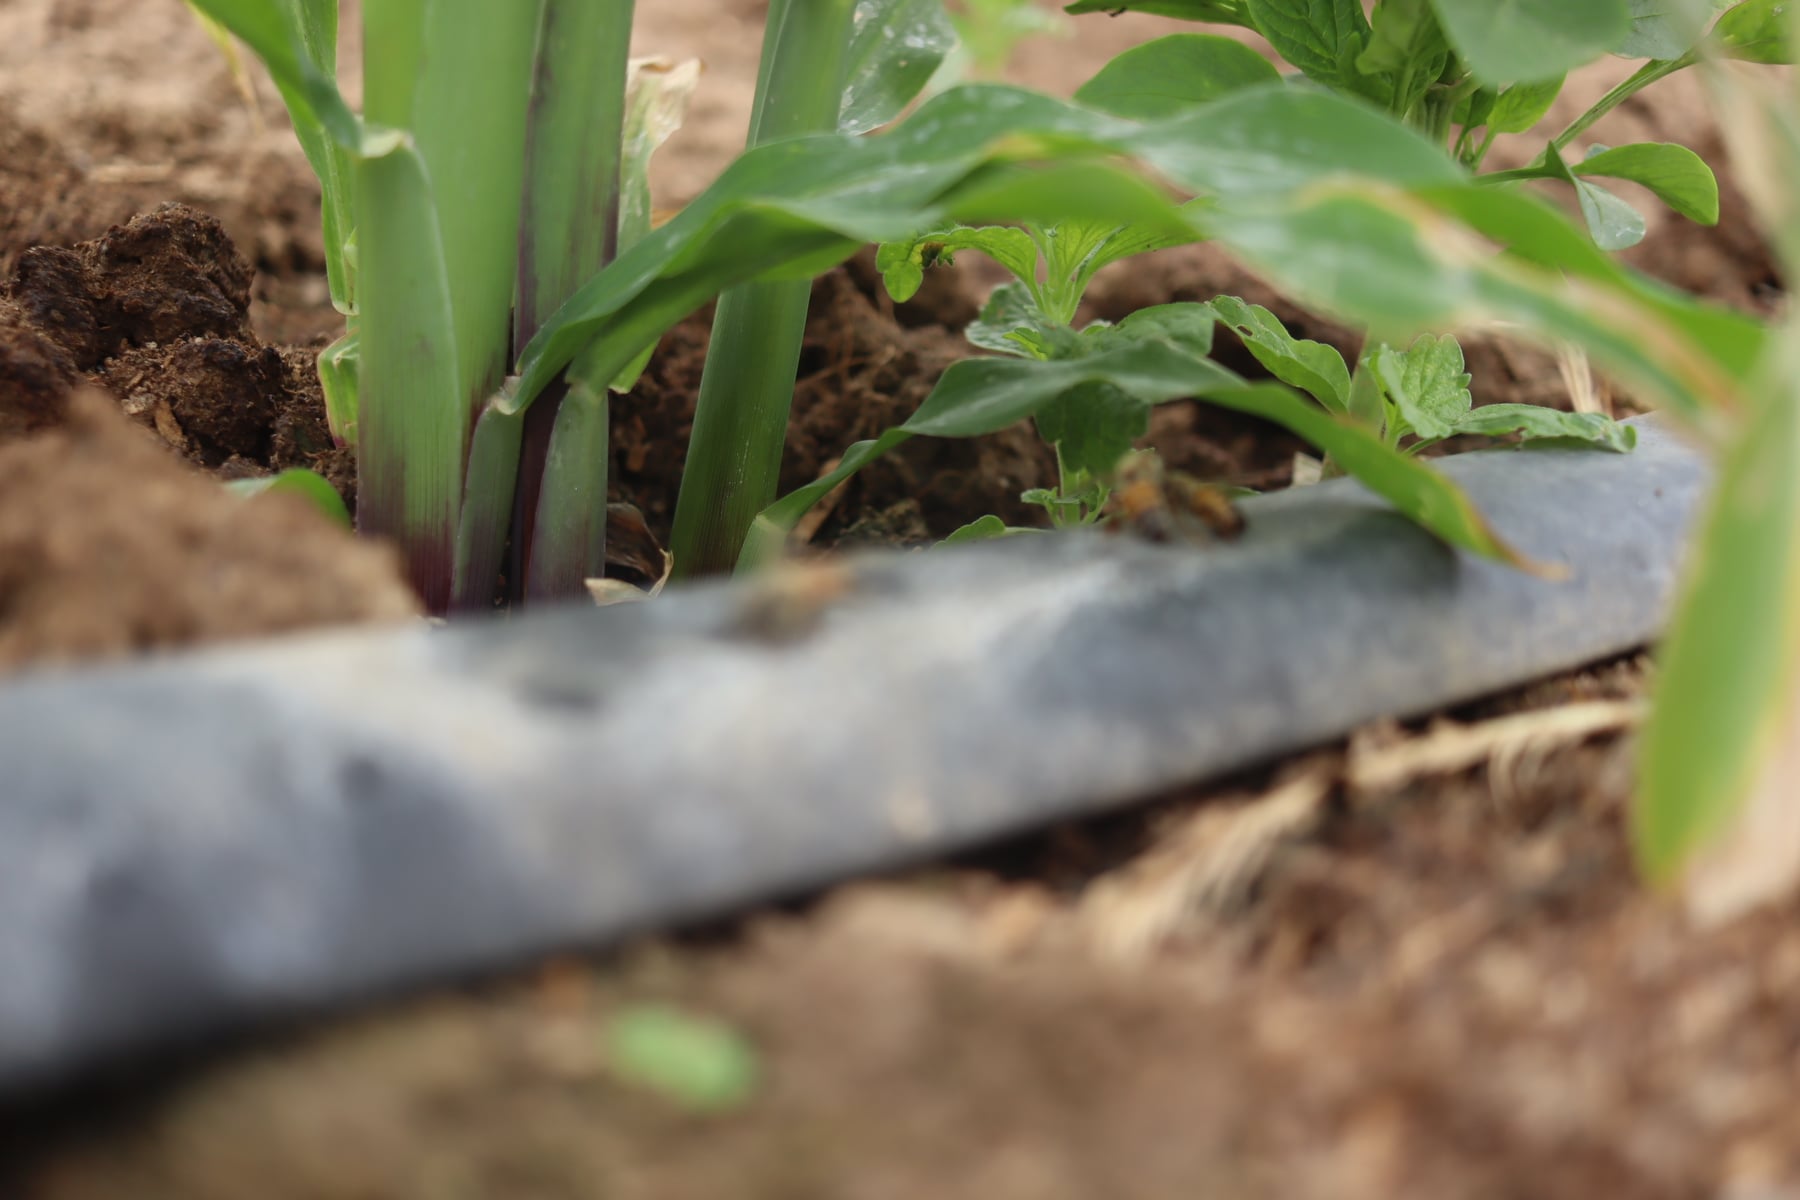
[1218,12]
[1613,222]
[1311,366]
[1666,29]
[1728,677]
[903,264]
[1523,105]
[802,205]
[1678,176]
[307,484]
[1011,323]
[1426,384]
[1163,77]
[699,1063]
[1539,425]
[1092,425]
[894,50]
[1507,41]
[1756,31]
[1320,37]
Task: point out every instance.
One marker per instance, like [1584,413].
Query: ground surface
[1412,965]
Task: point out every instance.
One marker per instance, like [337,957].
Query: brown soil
[1445,985]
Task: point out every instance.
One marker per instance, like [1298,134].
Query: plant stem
[568,232]
[747,387]
[1642,78]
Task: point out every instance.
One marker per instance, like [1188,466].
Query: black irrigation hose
[196,845]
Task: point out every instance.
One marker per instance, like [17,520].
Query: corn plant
[498,165]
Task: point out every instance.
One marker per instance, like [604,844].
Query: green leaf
[1092,426]
[1311,366]
[338,366]
[1218,12]
[1166,76]
[1728,676]
[1406,35]
[1756,31]
[1613,222]
[903,264]
[1405,482]
[1523,105]
[1541,425]
[895,49]
[981,529]
[1507,41]
[278,34]
[1320,37]
[1011,323]
[1426,384]
[300,482]
[981,395]
[1666,29]
[700,1064]
[1678,176]
[1184,324]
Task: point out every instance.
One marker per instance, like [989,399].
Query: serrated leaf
[1613,222]
[1166,76]
[1316,36]
[1508,41]
[1093,425]
[1426,384]
[895,48]
[1678,176]
[1011,323]
[1523,105]
[1756,31]
[1539,425]
[1311,366]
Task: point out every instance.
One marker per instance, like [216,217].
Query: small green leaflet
[981,529]
[1163,77]
[1614,223]
[1426,384]
[1011,323]
[903,264]
[1311,366]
